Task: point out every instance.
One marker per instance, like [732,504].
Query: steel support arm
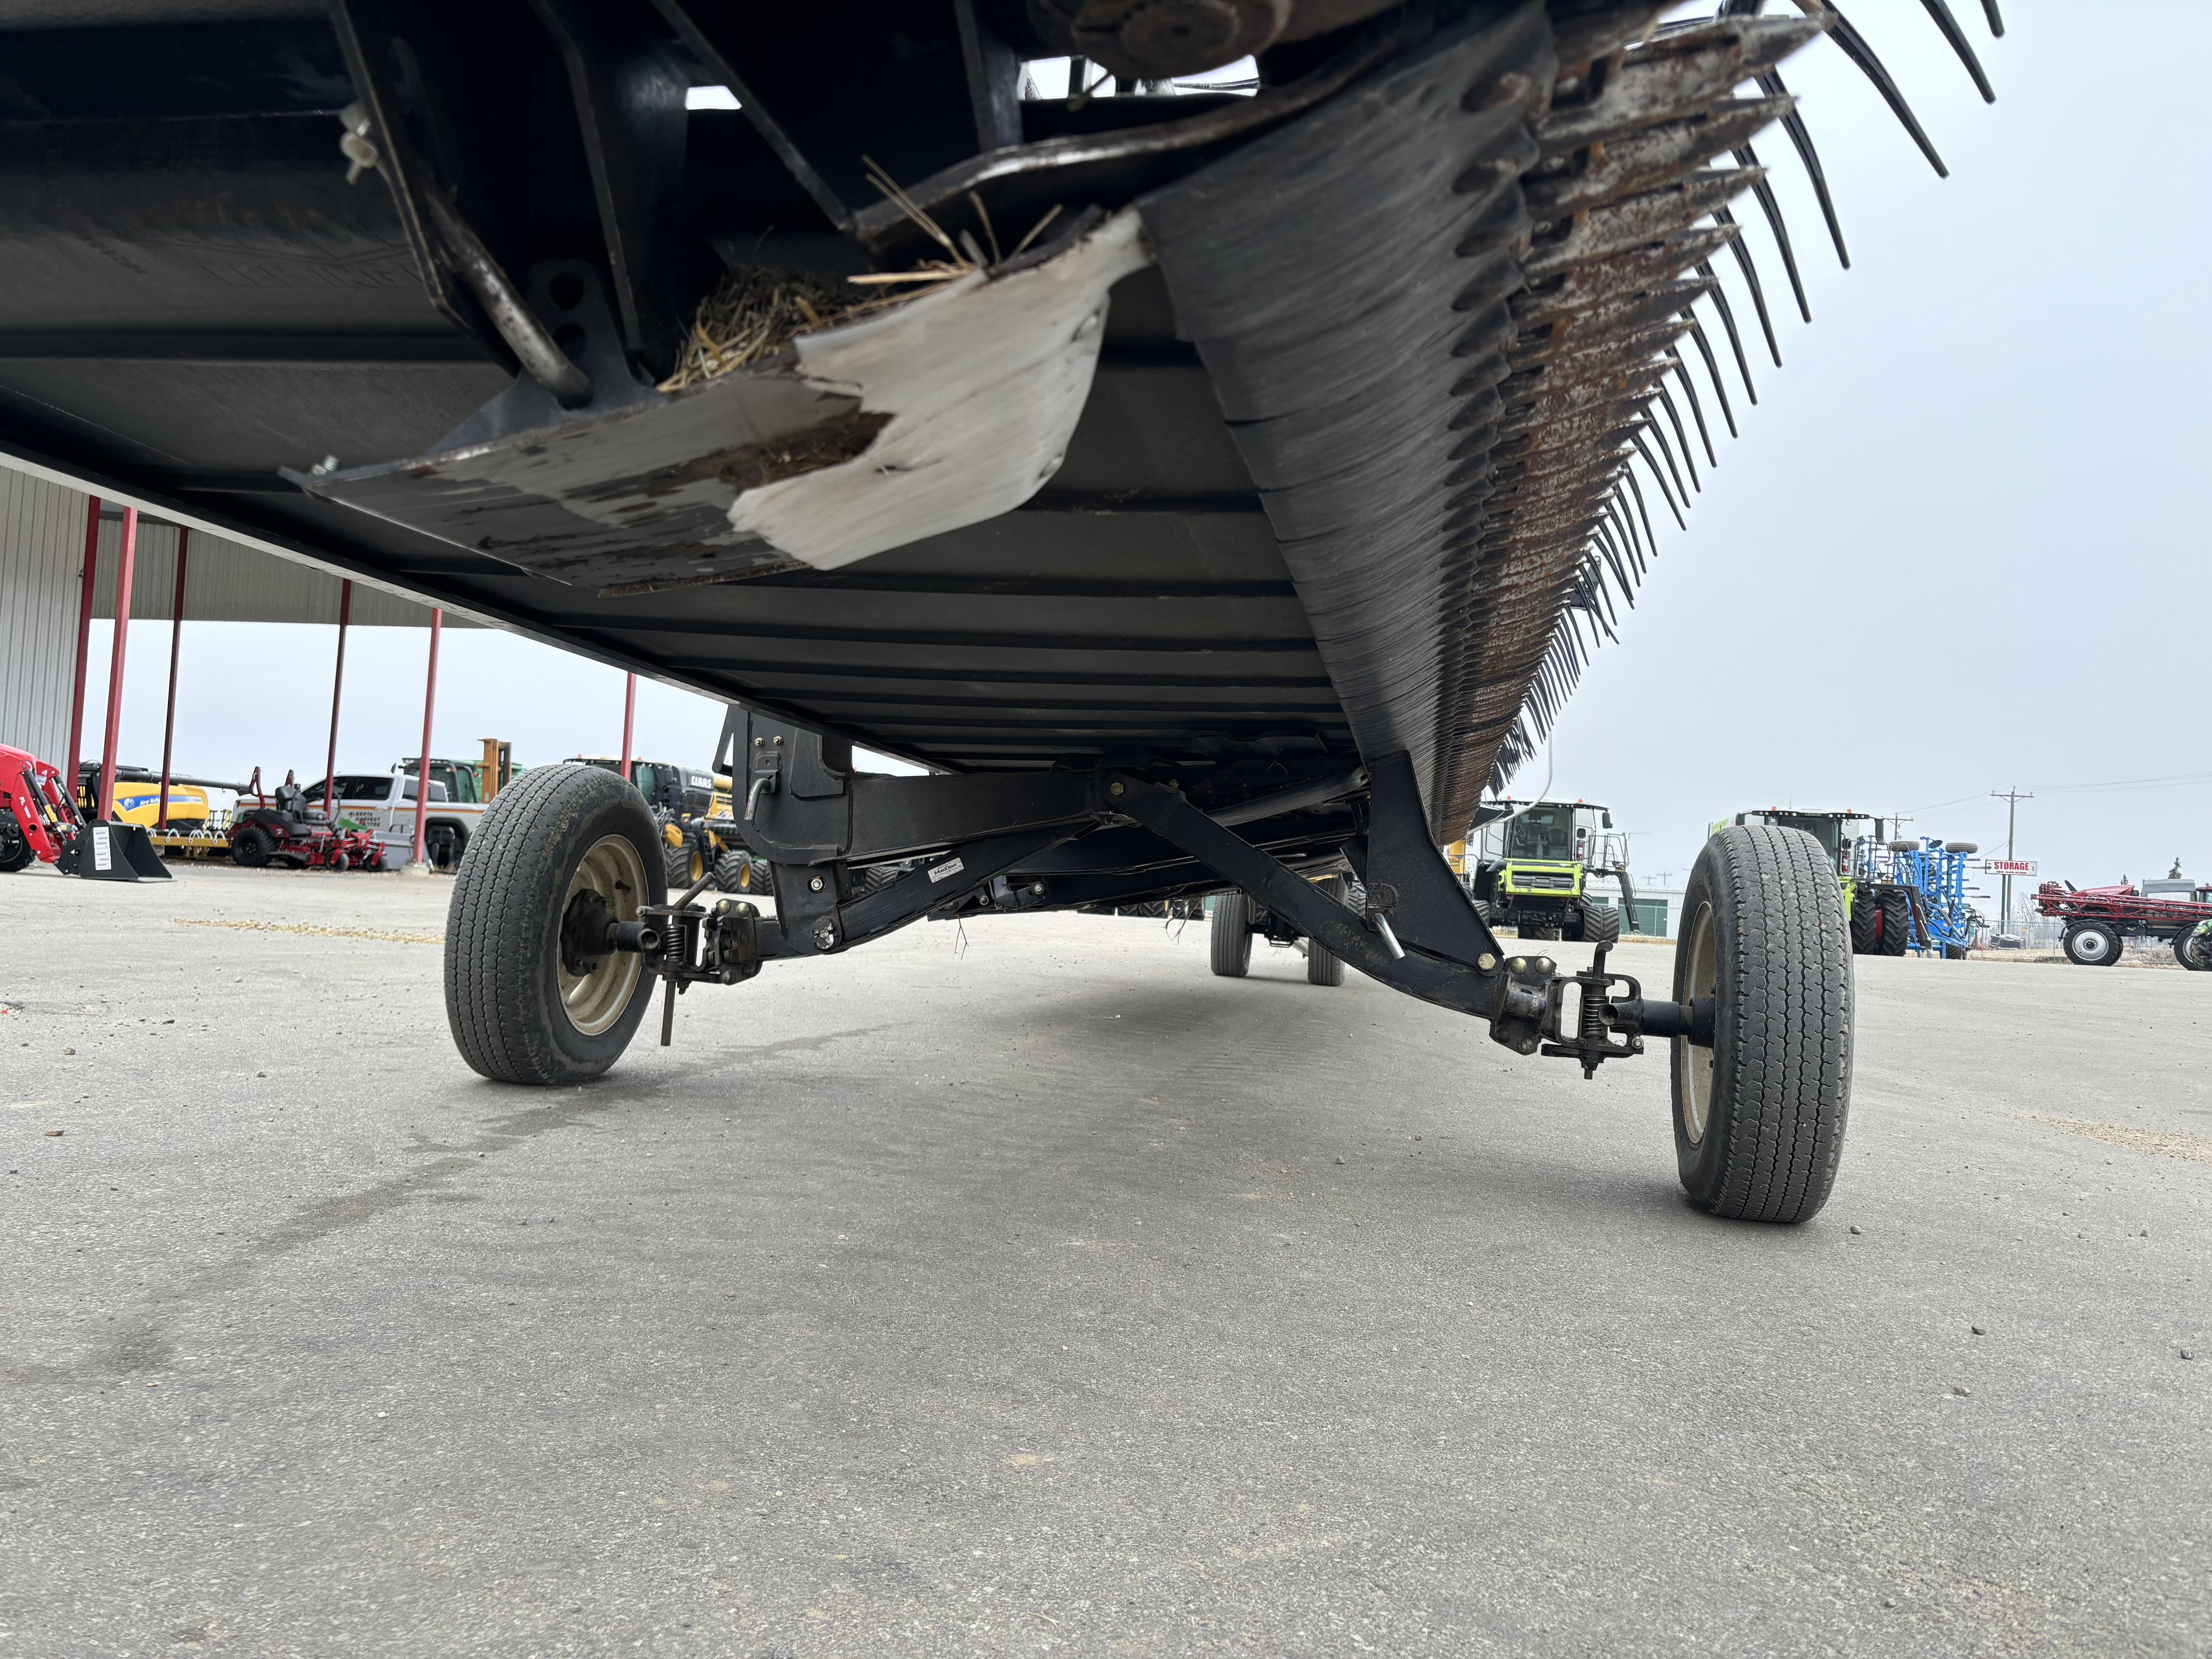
[1470,987]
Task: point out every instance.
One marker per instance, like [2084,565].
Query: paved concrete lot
[1023,1289]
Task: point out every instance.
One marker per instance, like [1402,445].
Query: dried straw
[754,311]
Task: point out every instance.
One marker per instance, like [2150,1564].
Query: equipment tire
[15,852]
[2092,944]
[1893,937]
[1601,924]
[510,1011]
[252,847]
[1866,923]
[2191,950]
[1759,1116]
[1231,937]
[731,871]
[682,867]
[1538,929]
[1325,967]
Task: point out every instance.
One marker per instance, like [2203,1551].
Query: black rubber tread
[252,847]
[1482,911]
[2186,952]
[1783,1038]
[1894,935]
[1230,939]
[15,852]
[1538,929]
[681,866]
[1955,953]
[1325,967]
[730,871]
[2067,944]
[503,926]
[1866,923]
[1601,924]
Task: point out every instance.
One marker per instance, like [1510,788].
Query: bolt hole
[567,290]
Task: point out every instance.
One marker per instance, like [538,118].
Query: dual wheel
[1231,936]
[1881,921]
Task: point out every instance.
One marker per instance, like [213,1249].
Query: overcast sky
[1958,546]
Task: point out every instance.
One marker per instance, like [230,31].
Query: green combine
[1530,865]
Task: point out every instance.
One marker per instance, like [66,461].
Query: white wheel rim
[1694,1066]
[595,1000]
[2090,944]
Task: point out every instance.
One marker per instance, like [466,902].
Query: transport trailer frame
[1268,458]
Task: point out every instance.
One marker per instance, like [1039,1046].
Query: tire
[517,1015]
[1601,924]
[1325,967]
[252,847]
[1893,933]
[1539,930]
[1955,953]
[1866,923]
[1759,1116]
[1482,911]
[2092,944]
[2192,949]
[731,871]
[682,867]
[15,852]
[1231,935]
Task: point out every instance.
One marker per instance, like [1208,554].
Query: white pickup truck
[384,804]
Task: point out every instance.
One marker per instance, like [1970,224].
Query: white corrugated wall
[41,564]
[41,571]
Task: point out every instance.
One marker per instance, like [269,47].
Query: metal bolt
[1485,962]
[814,884]
[779,739]
[1520,964]
[1113,788]
[760,743]
[825,938]
[1037,887]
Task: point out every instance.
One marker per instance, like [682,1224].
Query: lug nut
[825,938]
[1485,962]
[1113,788]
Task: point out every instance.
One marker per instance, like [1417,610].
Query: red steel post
[84,645]
[337,681]
[124,565]
[176,645]
[630,720]
[422,755]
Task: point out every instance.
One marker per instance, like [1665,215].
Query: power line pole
[2012,798]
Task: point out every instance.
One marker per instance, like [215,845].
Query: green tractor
[1530,865]
[1882,912]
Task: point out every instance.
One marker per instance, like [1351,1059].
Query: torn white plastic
[984,382]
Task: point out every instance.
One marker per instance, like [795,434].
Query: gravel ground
[1020,1288]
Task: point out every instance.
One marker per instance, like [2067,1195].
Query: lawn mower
[281,828]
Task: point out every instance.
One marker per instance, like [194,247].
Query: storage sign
[2009,866]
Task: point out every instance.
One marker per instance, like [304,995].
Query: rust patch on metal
[748,466]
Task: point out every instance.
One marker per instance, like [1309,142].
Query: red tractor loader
[38,820]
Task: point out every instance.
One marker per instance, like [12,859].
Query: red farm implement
[40,823]
[2099,919]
